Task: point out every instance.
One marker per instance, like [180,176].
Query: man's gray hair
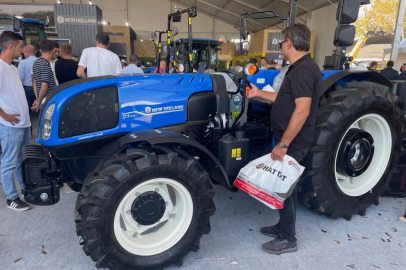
[299,35]
[133,58]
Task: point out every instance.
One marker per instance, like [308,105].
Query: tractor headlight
[47,122]
[251,69]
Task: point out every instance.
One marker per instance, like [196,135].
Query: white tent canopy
[402,48]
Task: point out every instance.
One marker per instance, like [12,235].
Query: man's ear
[11,46]
[108,45]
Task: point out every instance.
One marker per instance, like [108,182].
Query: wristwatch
[282,145]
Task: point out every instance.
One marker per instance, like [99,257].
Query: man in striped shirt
[43,75]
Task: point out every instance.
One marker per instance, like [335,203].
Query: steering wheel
[241,76]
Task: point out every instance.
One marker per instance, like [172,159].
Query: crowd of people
[389,72]
[266,64]
[22,89]
[58,65]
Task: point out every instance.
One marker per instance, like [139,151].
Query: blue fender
[160,136]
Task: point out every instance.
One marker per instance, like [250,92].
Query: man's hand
[35,106]
[253,92]
[12,118]
[278,153]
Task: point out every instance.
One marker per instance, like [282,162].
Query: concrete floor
[376,241]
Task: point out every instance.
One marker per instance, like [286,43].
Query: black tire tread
[343,103]
[98,190]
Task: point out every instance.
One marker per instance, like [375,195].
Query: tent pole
[398,30]
[383,60]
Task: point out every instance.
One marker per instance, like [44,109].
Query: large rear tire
[145,209]
[357,142]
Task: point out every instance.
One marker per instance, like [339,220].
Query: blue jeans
[29,94]
[12,140]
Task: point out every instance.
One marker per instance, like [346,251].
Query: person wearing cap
[389,72]
[123,63]
[132,68]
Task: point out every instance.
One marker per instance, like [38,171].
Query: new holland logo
[115,34]
[60,19]
[150,111]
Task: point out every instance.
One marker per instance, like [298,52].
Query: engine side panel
[145,102]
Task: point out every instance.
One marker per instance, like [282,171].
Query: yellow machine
[357,48]
[361,42]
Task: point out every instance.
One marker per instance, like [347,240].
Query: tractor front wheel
[145,209]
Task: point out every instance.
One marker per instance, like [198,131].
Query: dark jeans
[287,215]
[29,94]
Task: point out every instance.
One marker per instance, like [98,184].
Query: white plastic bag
[270,181]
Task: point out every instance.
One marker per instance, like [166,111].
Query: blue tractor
[32,31]
[144,152]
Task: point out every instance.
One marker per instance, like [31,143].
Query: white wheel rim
[381,133]
[142,240]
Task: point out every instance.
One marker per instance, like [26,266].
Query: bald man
[24,70]
[162,67]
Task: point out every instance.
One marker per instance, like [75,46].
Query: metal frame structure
[229,11]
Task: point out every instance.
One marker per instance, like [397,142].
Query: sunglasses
[281,43]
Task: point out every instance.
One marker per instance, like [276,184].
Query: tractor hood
[97,107]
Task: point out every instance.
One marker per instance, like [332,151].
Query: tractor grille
[88,112]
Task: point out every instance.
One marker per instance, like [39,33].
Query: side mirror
[349,11]
[177,18]
[244,47]
[175,31]
[345,35]
[243,28]
[16,25]
[193,12]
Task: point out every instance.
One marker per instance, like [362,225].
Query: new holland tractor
[32,31]
[144,153]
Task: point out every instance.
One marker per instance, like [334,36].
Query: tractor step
[42,178]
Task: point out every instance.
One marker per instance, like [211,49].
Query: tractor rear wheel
[357,142]
[145,209]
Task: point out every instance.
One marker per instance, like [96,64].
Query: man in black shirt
[65,68]
[389,72]
[402,75]
[293,117]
